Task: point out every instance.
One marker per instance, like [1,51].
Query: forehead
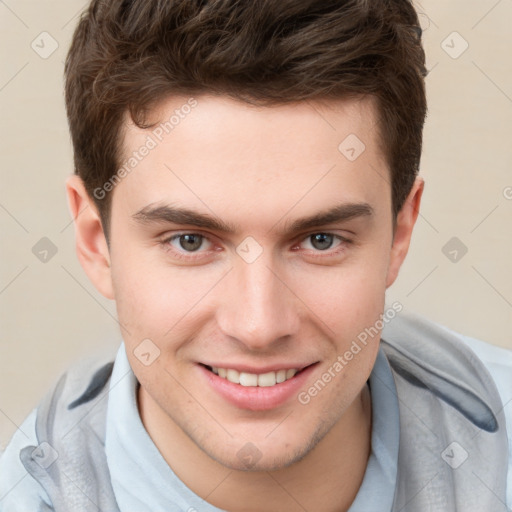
[220,155]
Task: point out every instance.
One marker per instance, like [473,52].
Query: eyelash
[191,256]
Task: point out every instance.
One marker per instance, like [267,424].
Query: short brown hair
[127,55]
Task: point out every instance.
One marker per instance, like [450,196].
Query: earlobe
[91,244]
[405,221]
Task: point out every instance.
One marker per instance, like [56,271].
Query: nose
[258,307]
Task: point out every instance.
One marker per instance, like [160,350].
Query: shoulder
[463,362]
[498,362]
[19,491]
[414,334]
[24,471]
[416,344]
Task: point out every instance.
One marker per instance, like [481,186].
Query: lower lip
[256,398]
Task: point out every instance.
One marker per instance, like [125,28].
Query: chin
[269,456]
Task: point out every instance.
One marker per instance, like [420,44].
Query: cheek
[347,305]
[156,300]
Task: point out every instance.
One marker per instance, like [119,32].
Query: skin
[258,169]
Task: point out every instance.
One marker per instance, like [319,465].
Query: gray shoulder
[20,487]
[461,370]
[429,355]
[19,491]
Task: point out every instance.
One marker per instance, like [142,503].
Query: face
[252,244]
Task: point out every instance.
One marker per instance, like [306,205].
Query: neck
[326,479]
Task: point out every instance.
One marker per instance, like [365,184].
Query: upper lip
[245,368]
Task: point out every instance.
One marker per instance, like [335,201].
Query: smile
[252,379]
[253,390]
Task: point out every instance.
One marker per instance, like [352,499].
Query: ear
[405,221]
[91,244]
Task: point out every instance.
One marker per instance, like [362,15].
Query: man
[246,189]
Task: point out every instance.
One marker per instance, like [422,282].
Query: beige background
[51,315]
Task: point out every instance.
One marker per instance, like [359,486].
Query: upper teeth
[252,379]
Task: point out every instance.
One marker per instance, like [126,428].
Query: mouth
[253,391]
[247,379]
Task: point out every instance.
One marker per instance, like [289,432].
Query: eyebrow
[184,216]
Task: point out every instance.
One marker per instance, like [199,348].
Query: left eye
[323,241]
[189,242]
